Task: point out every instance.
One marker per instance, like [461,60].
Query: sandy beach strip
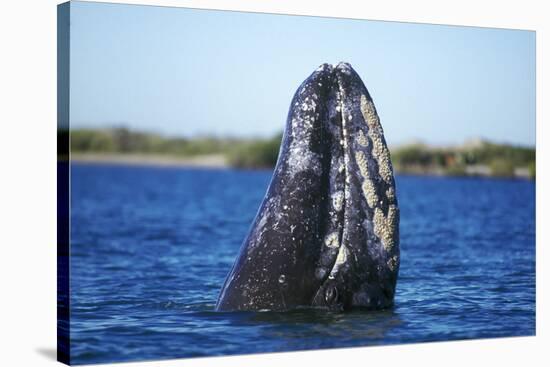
[162,160]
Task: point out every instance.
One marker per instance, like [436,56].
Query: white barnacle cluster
[385,227]
[302,123]
[390,194]
[362,139]
[331,240]
[393,262]
[379,149]
[308,104]
[369,190]
[341,259]
[338,200]
[370,116]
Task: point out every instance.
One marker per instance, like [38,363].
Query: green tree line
[488,158]
[240,152]
[496,159]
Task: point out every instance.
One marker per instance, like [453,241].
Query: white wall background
[28,182]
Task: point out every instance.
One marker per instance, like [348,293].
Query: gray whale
[327,232]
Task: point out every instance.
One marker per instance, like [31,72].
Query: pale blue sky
[186,72]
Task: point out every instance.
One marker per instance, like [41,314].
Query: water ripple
[151,248]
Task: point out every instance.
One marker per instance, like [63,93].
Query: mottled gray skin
[327,232]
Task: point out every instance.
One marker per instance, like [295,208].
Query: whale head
[327,232]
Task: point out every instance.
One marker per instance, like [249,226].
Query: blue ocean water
[151,247]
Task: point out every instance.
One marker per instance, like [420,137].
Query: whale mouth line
[345,154]
[325,292]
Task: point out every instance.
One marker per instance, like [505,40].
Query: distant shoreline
[157,160]
[475,158]
[219,161]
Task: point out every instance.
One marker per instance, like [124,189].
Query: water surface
[151,248]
